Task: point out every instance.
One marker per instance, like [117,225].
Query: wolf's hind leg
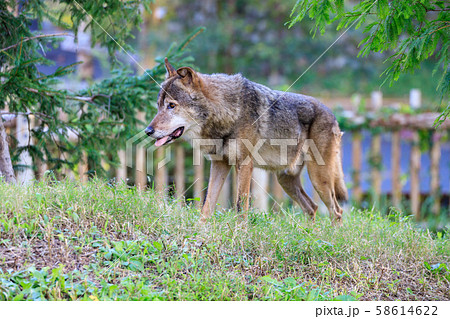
[218,174]
[292,185]
[324,170]
[322,178]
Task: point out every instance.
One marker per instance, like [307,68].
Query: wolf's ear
[170,69]
[188,76]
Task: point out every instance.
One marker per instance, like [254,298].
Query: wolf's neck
[224,102]
[223,86]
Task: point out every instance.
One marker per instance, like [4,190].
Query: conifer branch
[35,37]
[88,99]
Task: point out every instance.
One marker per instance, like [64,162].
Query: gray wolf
[245,115]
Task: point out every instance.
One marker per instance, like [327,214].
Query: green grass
[66,241]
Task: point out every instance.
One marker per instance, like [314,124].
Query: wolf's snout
[149,131]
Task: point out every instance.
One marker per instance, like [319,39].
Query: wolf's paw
[337,221]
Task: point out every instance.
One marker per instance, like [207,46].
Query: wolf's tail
[339,184]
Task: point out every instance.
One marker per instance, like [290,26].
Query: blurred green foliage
[252,37]
[415,32]
[103,116]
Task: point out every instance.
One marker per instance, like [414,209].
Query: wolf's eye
[171,105]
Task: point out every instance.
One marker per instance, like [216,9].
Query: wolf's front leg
[244,178]
[218,174]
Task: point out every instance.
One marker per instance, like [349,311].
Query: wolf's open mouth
[173,136]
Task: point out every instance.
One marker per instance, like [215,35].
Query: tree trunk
[6,168]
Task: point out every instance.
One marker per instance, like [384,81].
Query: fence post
[375,154]
[376,100]
[161,178]
[121,172]
[395,169]
[141,172]
[199,178]
[356,165]
[415,98]
[65,172]
[415,180]
[435,181]
[83,168]
[179,170]
[260,183]
[41,168]
[41,165]
[415,102]
[277,191]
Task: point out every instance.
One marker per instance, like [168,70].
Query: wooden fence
[186,181]
[395,125]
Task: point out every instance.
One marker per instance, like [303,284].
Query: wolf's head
[181,105]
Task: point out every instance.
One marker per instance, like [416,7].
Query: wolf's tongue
[161,141]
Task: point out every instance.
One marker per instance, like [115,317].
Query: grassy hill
[66,241]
